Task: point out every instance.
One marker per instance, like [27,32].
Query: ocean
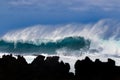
[100,40]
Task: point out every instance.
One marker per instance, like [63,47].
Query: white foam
[70,59]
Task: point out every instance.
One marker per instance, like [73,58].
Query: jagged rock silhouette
[50,68]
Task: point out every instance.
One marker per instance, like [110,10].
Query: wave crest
[104,38]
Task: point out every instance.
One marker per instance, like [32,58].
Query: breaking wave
[70,42]
[101,38]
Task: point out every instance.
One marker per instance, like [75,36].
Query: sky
[15,14]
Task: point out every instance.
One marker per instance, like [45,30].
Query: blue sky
[16,14]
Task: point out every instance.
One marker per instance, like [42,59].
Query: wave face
[101,38]
[69,43]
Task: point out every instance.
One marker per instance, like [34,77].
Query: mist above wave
[103,29]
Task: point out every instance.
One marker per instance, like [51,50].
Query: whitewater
[100,40]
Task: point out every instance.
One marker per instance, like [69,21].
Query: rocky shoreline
[50,68]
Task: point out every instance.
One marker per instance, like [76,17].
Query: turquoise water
[50,47]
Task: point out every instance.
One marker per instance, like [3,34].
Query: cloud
[76,5]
